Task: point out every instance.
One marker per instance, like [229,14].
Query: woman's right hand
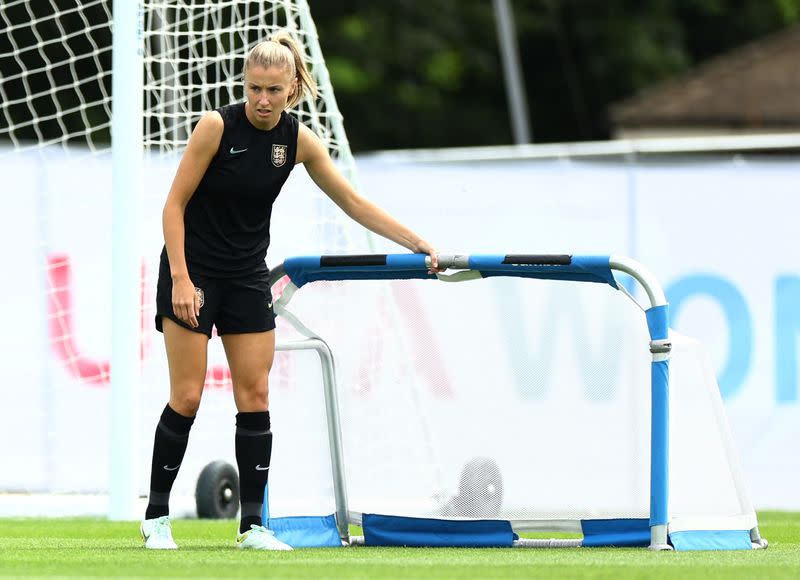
[185,301]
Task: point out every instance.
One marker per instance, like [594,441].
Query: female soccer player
[216,230]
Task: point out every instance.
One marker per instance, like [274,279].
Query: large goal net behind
[56,61]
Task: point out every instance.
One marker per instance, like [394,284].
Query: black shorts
[235,305]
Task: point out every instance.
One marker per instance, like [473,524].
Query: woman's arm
[201,148]
[314,155]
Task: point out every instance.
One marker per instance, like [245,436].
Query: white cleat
[260,538]
[157,534]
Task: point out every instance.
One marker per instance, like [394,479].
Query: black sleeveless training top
[227,219]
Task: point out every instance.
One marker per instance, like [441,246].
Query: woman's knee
[185,401]
[252,397]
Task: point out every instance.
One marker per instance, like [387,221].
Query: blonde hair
[281,51]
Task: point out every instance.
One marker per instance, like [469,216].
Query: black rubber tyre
[480,491]
[217,493]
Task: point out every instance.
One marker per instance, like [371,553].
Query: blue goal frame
[595,269]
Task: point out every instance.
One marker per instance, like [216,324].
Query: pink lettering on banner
[218,378]
[64,343]
[62,338]
[96,372]
[61,329]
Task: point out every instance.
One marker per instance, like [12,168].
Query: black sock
[172,435]
[253,452]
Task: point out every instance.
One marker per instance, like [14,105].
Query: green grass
[97,548]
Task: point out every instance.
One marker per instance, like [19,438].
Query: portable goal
[458,445]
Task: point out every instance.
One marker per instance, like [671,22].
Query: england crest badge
[279,155]
[201,295]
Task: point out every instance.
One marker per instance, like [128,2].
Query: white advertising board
[718,233]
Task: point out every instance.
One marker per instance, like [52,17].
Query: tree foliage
[412,73]
[427,73]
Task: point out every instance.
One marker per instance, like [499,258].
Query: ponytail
[305,82]
[283,52]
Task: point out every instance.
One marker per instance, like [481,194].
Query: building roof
[757,85]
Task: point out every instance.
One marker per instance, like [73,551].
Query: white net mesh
[515,399]
[195,52]
[488,398]
[56,62]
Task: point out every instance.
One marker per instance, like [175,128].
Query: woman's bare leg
[186,354]
[250,359]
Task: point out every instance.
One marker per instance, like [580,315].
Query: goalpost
[126,190]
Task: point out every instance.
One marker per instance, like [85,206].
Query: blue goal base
[383,530]
[307,531]
[380,530]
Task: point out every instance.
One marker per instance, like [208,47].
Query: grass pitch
[97,548]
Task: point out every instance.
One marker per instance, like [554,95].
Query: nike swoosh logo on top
[259,468]
[168,468]
[234,151]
